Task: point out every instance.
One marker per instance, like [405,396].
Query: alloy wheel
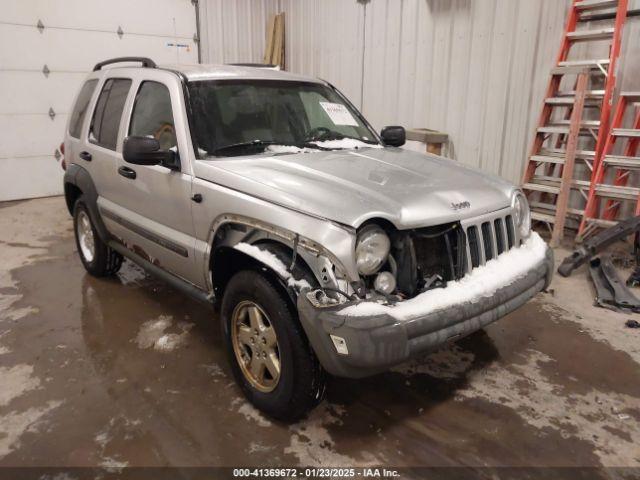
[255,345]
[85,236]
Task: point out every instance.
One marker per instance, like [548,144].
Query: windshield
[243,117]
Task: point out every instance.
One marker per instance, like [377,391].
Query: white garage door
[46,49]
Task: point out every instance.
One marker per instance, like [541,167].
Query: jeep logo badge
[460,206]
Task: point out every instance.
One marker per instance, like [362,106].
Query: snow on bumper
[379,336]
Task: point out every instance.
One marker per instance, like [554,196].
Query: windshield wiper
[259,144]
[262,145]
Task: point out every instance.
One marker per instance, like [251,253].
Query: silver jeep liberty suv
[325,247]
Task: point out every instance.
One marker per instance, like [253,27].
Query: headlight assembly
[372,249]
[522,214]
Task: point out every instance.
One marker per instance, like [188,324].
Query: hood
[407,188]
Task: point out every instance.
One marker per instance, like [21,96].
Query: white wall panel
[35,94]
[468,68]
[30,135]
[42,169]
[142,17]
[234,30]
[324,38]
[72,51]
[77,34]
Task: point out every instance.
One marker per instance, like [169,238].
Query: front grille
[429,257]
[489,238]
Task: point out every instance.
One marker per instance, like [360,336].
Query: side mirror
[146,151]
[394,136]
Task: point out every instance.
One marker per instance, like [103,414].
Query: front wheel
[98,259]
[269,352]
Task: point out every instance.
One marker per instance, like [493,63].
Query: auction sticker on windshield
[339,114]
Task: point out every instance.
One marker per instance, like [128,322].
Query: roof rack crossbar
[254,65]
[146,62]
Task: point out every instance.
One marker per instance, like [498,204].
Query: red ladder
[621,166]
[545,178]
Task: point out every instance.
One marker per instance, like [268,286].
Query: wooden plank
[278,41]
[270,37]
[282,34]
[272,58]
[569,161]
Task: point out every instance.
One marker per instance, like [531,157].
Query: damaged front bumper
[375,343]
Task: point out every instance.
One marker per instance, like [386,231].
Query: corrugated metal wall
[464,67]
[234,30]
[476,69]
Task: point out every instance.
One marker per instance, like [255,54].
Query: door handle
[85,156]
[197,198]
[127,172]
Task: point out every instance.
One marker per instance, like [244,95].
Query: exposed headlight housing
[521,214]
[372,249]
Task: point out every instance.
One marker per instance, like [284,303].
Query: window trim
[95,106]
[133,109]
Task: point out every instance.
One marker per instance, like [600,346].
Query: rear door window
[108,113]
[80,108]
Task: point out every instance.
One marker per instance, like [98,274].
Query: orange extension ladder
[567,130]
[617,169]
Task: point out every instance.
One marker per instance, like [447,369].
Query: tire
[301,382]
[98,259]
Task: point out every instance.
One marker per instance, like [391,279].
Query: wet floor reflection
[141,377]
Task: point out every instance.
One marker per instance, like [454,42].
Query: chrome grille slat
[494,240]
[468,259]
[505,235]
[473,240]
[483,255]
[499,235]
[511,233]
[487,241]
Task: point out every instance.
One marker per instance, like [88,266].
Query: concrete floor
[127,371]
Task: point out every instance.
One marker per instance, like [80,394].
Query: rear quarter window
[80,108]
[108,112]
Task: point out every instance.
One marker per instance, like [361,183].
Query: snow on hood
[289,149]
[344,143]
[409,189]
[482,282]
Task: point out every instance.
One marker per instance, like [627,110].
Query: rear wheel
[98,259]
[269,352]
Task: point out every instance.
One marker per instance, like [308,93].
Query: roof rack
[254,65]
[146,62]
